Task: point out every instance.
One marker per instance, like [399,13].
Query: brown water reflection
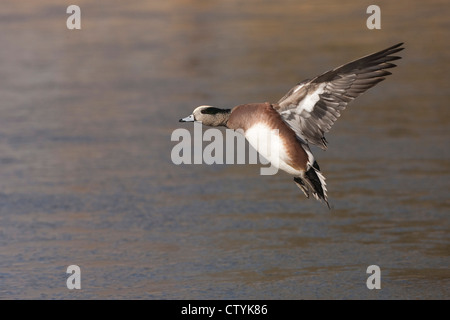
[86,176]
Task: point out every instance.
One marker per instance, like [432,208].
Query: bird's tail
[313,182]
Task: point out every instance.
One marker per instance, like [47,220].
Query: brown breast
[247,115]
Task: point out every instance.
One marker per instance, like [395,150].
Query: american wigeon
[303,116]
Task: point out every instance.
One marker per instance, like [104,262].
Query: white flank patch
[268,143]
[310,155]
[323,183]
[310,100]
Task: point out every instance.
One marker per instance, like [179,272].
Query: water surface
[86,176]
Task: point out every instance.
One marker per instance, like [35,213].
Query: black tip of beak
[187,119]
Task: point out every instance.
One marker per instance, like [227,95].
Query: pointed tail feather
[313,181]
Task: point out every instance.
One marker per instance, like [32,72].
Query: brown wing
[312,106]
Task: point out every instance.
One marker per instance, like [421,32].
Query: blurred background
[86,178]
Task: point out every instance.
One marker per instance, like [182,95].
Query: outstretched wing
[312,106]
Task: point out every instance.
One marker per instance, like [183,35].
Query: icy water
[86,176]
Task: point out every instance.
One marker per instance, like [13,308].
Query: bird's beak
[188,119]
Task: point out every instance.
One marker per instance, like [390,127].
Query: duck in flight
[303,116]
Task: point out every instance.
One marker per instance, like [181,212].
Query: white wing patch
[311,99]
